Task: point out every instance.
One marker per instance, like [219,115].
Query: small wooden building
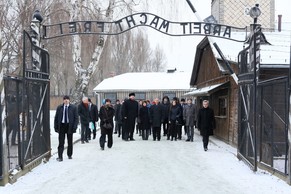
[212,81]
[233,103]
[145,85]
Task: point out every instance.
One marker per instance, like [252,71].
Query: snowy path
[148,167]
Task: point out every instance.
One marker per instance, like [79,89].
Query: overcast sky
[282,7]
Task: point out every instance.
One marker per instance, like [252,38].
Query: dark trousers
[84,131]
[205,141]
[172,130]
[190,132]
[93,131]
[144,132]
[130,124]
[131,129]
[63,131]
[117,128]
[138,130]
[102,139]
[166,126]
[124,131]
[179,131]
[157,133]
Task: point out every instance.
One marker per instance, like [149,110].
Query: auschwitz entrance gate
[27,99]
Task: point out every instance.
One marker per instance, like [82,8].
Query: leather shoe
[59,159]
[70,157]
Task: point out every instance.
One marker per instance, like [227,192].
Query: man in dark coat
[189,115]
[66,122]
[93,112]
[156,114]
[166,108]
[83,111]
[129,114]
[206,123]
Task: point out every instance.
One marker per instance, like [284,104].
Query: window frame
[222,106]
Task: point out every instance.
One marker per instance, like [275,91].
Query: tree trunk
[83,75]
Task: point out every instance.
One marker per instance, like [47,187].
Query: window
[111,96]
[222,103]
[140,96]
[171,95]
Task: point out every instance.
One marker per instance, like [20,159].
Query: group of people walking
[171,116]
[148,118]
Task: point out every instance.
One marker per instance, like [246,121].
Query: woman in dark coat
[174,115]
[118,118]
[106,115]
[206,123]
[144,115]
[156,112]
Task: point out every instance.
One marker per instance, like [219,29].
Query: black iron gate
[263,115]
[273,124]
[27,108]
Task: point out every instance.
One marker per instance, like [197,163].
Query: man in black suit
[93,112]
[66,122]
[206,123]
[129,114]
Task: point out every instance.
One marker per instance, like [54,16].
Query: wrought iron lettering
[141,19]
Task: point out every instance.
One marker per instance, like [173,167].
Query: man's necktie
[66,114]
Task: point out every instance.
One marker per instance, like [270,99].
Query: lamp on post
[255,12]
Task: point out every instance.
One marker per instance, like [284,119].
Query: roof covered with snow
[146,81]
[278,53]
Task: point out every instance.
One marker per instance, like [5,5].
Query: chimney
[171,70]
[279,23]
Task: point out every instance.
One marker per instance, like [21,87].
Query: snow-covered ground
[147,167]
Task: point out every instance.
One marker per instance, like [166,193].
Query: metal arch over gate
[142,19]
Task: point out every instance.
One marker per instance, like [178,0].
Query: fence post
[289,128]
[3,148]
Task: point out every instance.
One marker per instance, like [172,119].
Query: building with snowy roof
[145,85]
[233,101]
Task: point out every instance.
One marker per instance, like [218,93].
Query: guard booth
[25,137]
